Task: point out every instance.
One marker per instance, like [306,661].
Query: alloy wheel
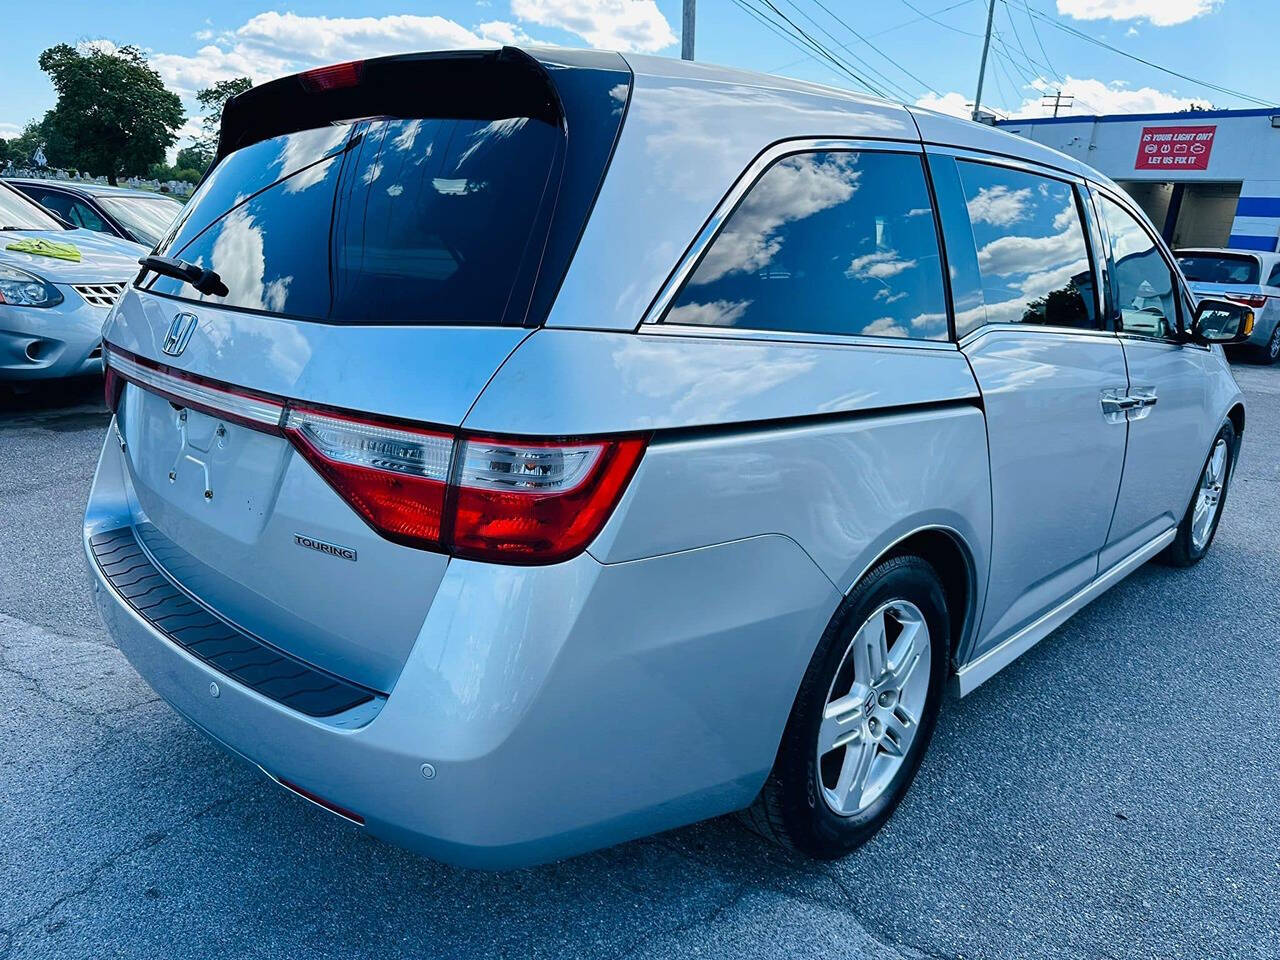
[1209,495]
[873,709]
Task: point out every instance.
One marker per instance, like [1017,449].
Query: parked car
[512,493]
[56,285]
[1247,277]
[141,216]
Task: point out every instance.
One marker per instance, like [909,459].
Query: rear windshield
[374,221]
[147,218]
[1219,267]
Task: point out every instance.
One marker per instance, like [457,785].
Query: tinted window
[381,221]
[1219,268]
[962,254]
[1274,279]
[1142,284]
[1031,248]
[838,242]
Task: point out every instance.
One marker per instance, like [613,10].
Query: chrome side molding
[977,672]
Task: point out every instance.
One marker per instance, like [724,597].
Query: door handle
[1145,398]
[1116,405]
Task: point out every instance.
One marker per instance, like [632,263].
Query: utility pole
[982,68]
[1056,101]
[686,30]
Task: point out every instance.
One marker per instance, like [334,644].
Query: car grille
[99,294]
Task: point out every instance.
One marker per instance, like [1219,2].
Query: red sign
[1174,148]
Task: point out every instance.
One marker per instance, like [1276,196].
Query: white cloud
[273,44]
[792,189]
[8,129]
[717,313]
[878,266]
[953,104]
[1161,13]
[613,24]
[1092,96]
[998,205]
[884,327]
[101,45]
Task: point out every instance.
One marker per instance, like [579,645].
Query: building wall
[1246,149]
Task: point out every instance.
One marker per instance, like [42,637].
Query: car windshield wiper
[206,281]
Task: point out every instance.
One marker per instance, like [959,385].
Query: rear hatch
[1217,273]
[371,244]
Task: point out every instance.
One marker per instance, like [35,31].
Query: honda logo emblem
[180,330]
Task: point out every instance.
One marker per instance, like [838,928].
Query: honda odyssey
[517,452]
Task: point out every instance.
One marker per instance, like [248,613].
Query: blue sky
[923,51]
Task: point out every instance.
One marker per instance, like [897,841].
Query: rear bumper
[559,708]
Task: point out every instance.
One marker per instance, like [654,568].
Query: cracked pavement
[1112,794]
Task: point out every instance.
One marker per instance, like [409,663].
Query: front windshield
[147,218]
[19,213]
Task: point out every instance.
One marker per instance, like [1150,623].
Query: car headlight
[22,289]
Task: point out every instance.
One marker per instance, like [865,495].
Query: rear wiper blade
[206,281]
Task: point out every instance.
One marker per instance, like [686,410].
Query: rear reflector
[334,77]
[501,499]
[319,801]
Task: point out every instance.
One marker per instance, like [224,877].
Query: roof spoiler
[471,84]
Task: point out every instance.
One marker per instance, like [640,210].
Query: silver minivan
[517,452]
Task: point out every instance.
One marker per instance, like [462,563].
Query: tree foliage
[212,100]
[113,117]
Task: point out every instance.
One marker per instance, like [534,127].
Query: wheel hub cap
[873,708]
[1209,495]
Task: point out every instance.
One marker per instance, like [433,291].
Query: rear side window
[1219,268]
[1032,255]
[830,243]
[375,221]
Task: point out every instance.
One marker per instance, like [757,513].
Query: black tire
[1183,552]
[790,809]
[1269,352]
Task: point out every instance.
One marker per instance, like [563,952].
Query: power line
[840,64]
[1054,22]
[889,82]
[844,23]
[1043,52]
[805,41]
[933,19]
[923,16]
[779,32]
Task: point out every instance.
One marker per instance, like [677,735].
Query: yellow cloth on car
[46,248]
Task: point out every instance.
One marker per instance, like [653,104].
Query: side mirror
[1221,321]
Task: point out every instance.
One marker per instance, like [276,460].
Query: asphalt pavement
[1112,794]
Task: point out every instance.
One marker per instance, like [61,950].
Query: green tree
[113,117]
[212,100]
[193,157]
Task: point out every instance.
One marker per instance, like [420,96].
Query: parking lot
[1113,794]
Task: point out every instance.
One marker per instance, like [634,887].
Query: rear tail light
[536,502]
[112,384]
[1257,301]
[394,477]
[502,499]
[514,501]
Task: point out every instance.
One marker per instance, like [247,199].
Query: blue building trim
[1191,118]
[1258,207]
[1241,241]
